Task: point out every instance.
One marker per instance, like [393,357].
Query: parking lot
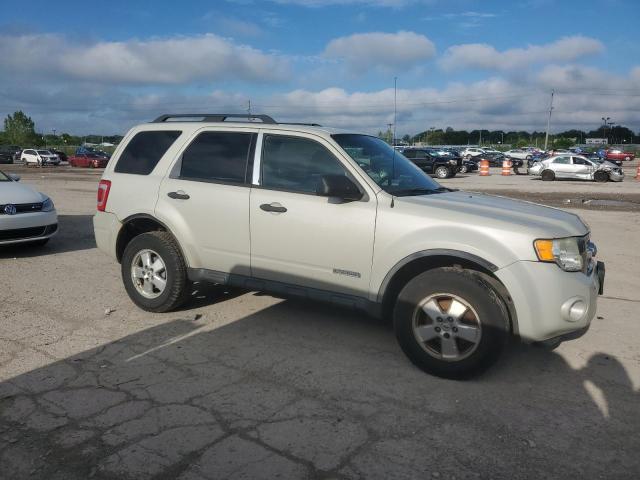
[244,385]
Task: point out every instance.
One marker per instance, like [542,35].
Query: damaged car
[576,167]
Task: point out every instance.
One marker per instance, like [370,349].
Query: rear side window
[218,157]
[145,150]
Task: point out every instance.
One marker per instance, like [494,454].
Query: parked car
[472,152]
[9,153]
[519,153]
[88,160]
[39,157]
[343,218]
[468,166]
[61,155]
[617,154]
[440,165]
[576,167]
[26,215]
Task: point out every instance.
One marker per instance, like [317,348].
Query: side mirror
[14,177]
[338,186]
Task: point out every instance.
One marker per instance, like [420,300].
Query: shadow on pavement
[302,390]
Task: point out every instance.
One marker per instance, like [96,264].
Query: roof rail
[302,124]
[214,117]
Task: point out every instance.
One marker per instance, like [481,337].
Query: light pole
[604,123]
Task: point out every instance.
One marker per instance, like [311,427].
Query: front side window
[296,164]
[144,151]
[217,157]
[391,170]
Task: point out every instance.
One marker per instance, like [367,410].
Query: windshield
[4,178]
[44,152]
[391,170]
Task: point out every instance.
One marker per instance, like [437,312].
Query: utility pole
[395,107]
[546,137]
[249,109]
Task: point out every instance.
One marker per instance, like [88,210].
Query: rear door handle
[179,195]
[273,207]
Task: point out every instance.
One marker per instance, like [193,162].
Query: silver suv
[301,210]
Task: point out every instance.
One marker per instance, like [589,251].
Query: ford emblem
[10,209]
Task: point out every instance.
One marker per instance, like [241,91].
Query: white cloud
[483,56]
[365,51]
[157,61]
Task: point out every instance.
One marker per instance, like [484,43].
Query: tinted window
[580,161]
[217,156]
[145,150]
[409,153]
[296,164]
[563,160]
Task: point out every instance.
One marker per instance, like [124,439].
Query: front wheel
[601,177]
[451,323]
[463,169]
[548,176]
[442,172]
[154,272]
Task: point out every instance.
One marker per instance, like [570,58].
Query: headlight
[563,251]
[47,205]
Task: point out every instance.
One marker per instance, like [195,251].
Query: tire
[176,287]
[601,177]
[516,171]
[442,172]
[548,175]
[463,169]
[484,315]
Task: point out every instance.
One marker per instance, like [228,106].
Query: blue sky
[104,66]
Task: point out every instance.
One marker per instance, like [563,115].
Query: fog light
[574,310]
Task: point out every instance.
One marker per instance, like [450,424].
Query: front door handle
[273,207]
[179,195]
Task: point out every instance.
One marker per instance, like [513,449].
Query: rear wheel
[154,272]
[451,323]
[463,169]
[601,177]
[548,175]
[442,172]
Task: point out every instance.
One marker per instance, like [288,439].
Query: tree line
[618,134]
[19,129]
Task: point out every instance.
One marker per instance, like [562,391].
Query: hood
[498,213]
[16,193]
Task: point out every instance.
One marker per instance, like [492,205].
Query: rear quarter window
[144,151]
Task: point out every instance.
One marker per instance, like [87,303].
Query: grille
[21,233]
[24,208]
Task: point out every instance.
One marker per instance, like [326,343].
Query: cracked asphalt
[247,386]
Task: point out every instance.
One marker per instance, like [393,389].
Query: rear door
[582,168]
[206,199]
[311,241]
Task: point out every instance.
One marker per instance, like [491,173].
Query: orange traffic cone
[506,167]
[484,168]
[638,172]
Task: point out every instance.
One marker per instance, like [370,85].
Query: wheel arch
[137,224]
[419,262]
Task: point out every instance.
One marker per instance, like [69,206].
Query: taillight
[103,194]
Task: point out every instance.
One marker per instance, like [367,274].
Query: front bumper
[550,302]
[27,227]
[616,176]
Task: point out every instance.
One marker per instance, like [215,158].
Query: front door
[300,238]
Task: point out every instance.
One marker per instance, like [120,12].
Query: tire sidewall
[172,265]
[476,292]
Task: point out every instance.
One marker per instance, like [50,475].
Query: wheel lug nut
[437,329]
[446,335]
[439,319]
[450,319]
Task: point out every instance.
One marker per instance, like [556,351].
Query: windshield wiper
[419,191]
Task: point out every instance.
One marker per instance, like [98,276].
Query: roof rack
[214,117]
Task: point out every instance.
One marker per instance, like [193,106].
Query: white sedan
[26,215]
[39,157]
